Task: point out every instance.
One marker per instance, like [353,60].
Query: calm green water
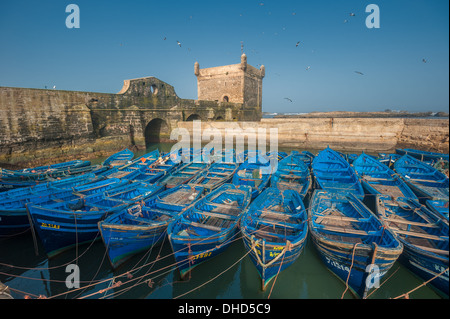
[154,275]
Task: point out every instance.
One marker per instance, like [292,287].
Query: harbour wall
[345,134]
[48,126]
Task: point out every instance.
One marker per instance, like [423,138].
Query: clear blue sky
[120,40]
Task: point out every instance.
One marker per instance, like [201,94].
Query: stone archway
[156,131]
[193,117]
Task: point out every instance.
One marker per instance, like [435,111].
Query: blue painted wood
[349,238]
[208,227]
[140,227]
[274,231]
[293,173]
[426,181]
[334,174]
[424,236]
[377,178]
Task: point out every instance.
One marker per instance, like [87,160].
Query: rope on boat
[206,282]
[350,270]
[406,295]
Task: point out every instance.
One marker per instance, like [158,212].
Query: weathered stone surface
[144,111]
[347,134]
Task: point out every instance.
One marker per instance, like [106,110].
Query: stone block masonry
[371,135]
[46,125]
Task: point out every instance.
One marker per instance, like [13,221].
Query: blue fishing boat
[388,159]
[256,172]
[208,227]
[439,207]
[13,213]
[140,227]
[307,157]
[56,167]
[334,174]
[423,156]
[224,156]
[141,162]
[424,236]
[377,178]
[61,226]
[292,173]
[351,240]
[216,175]
[183,174]
[119,159]
[274,231]
[426,181]
[157,170]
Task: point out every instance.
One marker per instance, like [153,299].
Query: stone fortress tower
[236,83]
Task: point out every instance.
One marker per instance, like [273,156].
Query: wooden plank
[343,230]
[434,250]
[340,218]
[222,216]
[214,228]
[403,221]
[416,234]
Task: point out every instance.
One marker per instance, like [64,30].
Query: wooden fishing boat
[63,225]
[274,231]
[388,159]
[208,227]
[292,173]
[183,174]
[307,157]
[141,162]
[216,175]
[140,227]
[423,156]
[424,236]
[255,172]
[377,178]
[13,213]
[119,159]
[157,170]
[224,156]
[351,240]
[439,207]
[334,174]
[426,181]
[10,179]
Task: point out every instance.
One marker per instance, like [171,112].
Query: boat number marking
[45,225]
[202,255]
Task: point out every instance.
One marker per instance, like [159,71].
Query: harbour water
[153,275]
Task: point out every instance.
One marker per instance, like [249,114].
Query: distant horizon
[319,55]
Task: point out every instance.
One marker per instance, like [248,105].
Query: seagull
[288,99]
[298,43]
[352,14]
[308,68]
[424,61]
[359,72]
[178,42]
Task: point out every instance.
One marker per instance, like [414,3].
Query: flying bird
[359,72]
[164,38]
[308,68]
[286,98]
[298,43]
[345,21]
[352,14]
[424,61]
[178,42]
